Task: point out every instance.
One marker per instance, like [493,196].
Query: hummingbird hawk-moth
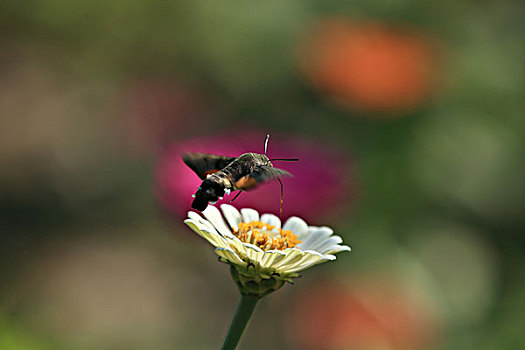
[222,174]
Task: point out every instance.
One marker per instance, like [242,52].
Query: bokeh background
[408,118]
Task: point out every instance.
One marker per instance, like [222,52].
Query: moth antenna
[286,159]
[266,143]
[237,195]
[281,205]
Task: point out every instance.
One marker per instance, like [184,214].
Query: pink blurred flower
[365,316]
[323,181]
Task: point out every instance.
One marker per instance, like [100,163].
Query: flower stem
[243,313]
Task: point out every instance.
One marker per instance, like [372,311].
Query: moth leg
[237,195]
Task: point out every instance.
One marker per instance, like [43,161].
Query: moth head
[262,159]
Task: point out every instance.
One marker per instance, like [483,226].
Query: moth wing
[261,173]
[206,164]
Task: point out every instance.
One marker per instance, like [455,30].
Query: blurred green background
[427,99]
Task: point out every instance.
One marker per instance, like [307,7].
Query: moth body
[221,175]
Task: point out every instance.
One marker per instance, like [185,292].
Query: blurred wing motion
[206,164]
[261,173]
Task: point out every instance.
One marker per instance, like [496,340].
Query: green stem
[240,321]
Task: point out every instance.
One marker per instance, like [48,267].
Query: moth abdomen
[211,190]
[200,202]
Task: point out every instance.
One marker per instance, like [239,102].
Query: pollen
[265,237]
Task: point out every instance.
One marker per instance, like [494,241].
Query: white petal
[272,257]
[310,261]
[194,216]
[253,247]
[292,257]
[230,255]
[213,237]
[232,215]
[214,216]
[336,249]
[332,240]
[196,226]
[315,237]
[296,225]
[254,253]
[249,215]
[237,245]
[272,220]
[309,258]
[197,218]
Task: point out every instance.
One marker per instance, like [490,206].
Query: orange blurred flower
[368,65]
[365,316]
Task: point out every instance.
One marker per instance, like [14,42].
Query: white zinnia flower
[262,254]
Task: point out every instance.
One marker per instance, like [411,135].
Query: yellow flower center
[263,236]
